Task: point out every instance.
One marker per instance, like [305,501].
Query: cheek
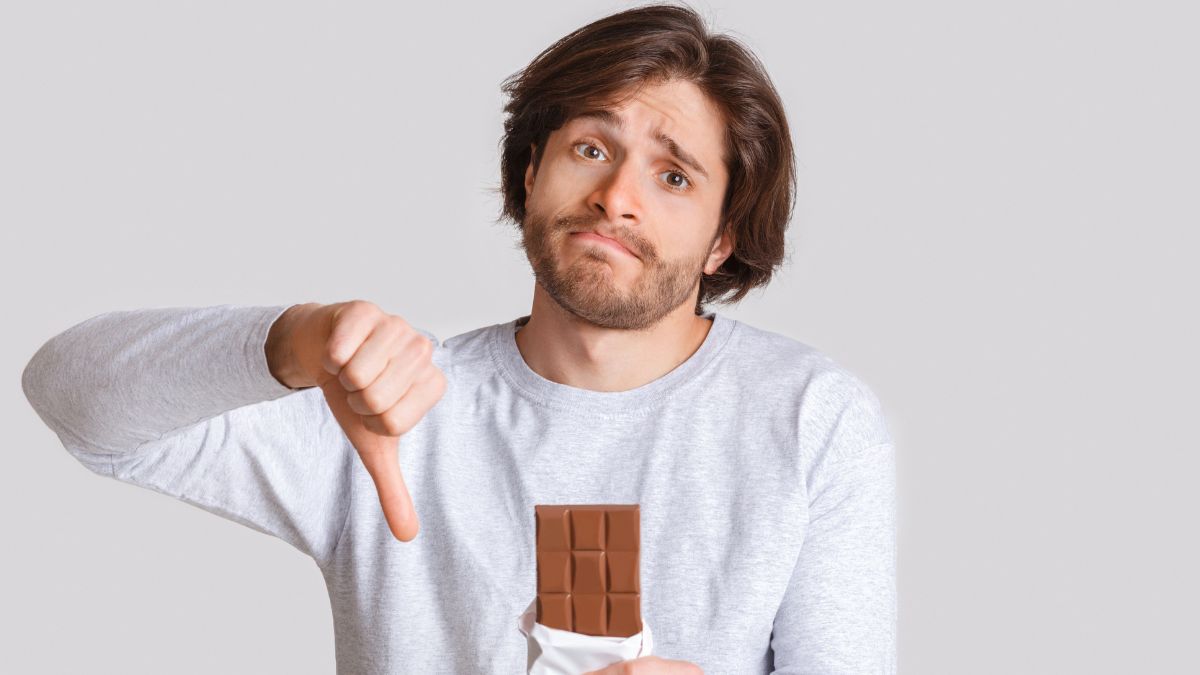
[572,178]
[684,229]
[681,219]
[549,184]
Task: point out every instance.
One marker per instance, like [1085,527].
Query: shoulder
[462,351]
[837,413]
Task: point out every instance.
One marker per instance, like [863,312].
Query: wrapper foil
[562,652]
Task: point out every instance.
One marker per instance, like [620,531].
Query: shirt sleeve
[838,614]
[181,401]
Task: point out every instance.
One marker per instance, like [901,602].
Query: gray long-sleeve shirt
[764,472]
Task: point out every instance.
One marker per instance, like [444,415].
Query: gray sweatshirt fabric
[764,472]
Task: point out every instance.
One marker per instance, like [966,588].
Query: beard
[588,288]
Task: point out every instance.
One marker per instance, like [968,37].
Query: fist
[379,380]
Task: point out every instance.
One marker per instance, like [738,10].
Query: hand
[649,665]
[378,378]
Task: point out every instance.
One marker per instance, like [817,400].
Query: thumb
[381,457]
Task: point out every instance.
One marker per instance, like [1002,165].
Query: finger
[394,498]
[403,368]
[650,665]
[380,455]
[371,358]
[350,324]
[412,406]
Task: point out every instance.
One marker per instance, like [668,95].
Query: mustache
[585,221]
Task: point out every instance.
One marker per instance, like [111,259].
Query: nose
[617,196]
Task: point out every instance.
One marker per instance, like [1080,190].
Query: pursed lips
[595,236]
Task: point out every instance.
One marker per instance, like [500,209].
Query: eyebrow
[612,119]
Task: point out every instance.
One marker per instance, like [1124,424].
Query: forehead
[678,109]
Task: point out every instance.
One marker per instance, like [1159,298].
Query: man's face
[626,184]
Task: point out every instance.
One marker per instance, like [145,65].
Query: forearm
[120,379]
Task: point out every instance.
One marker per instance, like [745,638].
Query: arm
[183,401]
[838,615]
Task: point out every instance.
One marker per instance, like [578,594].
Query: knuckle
[387,325]
[396,422]
[359,305]
[386,427]
[348,310]
[357,310]
[334,351]
[371,422]
[354,378]
[383,424]
[371,399]
[355,403]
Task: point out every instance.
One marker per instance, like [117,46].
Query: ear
[721,250]
[529,173]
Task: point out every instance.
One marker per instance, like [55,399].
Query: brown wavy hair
[608,61]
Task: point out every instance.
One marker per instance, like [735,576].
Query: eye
[588,145]
[684,185]
[683,176]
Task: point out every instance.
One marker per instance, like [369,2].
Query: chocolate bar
[587,568]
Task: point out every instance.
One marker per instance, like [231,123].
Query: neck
[565,349]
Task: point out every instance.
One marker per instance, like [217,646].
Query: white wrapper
[563,652]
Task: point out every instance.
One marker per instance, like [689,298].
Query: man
[649,167]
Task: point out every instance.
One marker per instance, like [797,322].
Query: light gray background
[996,230]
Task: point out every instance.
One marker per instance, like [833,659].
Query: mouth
[602,240]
